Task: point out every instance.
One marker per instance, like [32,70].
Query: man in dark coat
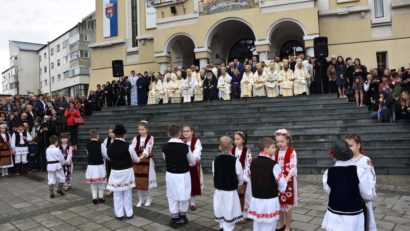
[142,89]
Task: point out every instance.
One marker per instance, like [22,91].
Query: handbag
[79,120]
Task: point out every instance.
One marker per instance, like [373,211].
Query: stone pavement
[25,205]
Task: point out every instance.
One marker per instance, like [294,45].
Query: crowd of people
[384,92]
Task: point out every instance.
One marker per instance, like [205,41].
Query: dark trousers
[73,134]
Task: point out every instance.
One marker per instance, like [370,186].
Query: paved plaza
[25,205]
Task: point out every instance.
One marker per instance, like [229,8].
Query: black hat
[341,151]
[119,130]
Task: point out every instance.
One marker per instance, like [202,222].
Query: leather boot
[60,189]
[51,188]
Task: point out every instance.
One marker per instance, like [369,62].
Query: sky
[38,21]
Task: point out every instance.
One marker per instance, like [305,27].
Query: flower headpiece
[282,132]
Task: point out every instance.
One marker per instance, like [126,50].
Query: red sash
[5,153]
[141,169]
[288,196]
[195,172]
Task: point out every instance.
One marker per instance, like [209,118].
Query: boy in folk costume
[95,174]
[178,158]
[287,160]
[267,182]
[224,85]
[270,84]
[259,79]
[246,83]
[106,143]
[244,155]
[6,159]
[67,151]
[144,170]
[122,179]
[196,171]
[55,162]
[285,79]
[228,176]
[188,87]
[348,187]
[302,77]
[360,160]
[199,82]
[19,142]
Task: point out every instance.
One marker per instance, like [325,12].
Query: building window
[58,77]
[134,22]
[58,48]
[52,79]
[52,65]
[45,69]
[381,60]
[65,44]
[378,9]
[39,57]
[66,74]
[45,55]
[58,62]
[52,51]
[45,82]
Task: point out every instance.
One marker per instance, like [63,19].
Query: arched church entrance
[180,49]
[286,37]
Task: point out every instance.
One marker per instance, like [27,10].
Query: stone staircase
[314,122]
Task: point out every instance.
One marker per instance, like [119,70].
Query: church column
[203,63]
[309,49]
[203,55]
[263,48]
[163,61]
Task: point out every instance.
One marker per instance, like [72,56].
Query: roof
[27,46]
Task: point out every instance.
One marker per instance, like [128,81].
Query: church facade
[153,34]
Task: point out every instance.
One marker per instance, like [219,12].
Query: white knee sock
[193,200]
[100,193]
[94,193]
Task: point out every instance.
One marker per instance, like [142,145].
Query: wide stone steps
[315,122]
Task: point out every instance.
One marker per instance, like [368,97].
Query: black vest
[94,153]
[344,198]
[119,155]
[264,185]
[176,160]
[225,177]
[18,139]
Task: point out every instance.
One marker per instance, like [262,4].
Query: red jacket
[70,115]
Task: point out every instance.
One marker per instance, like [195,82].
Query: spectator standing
[60,105]
[71,114]
[341,76]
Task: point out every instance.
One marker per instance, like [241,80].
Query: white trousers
[123,202]
[54,176]
[144,195]
[259,226]
[96,186]
[21,158]
[226,226]
[177,207]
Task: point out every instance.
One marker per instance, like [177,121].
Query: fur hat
[119,130]
[341,151]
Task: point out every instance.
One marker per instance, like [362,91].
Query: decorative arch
[278,23]
[175,37]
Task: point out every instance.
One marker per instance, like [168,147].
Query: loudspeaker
[173,10]
[117,68]
[320,47]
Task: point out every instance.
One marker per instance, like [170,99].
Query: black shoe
[95,201]
[101,200]
[281,229]
[173,224]
[182,221]
[52,195]
[60,192]
[120,218]
[130,217]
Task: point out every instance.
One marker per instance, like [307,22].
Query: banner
[218,6]
[110,18]
[150,14]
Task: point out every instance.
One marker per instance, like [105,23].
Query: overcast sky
[38,21]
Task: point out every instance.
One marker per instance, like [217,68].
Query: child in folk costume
[360,160]
[199,82]
[210,86]
[6,159]
[19,142]
[196,171]
[188,87]
[287,160]
[244,155]
[96,175]
[267,182]
[144,170]
[259,79]
[178,157]
[285,79]
[122,179]
[348,187]
[55,162]
[67,151]
[270,84]
[246,83]
[301,79]
[224,85]
[228,177]
[106,143]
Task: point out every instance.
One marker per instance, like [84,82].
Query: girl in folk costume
[301,79]
[360,160]
[267,182]
[244,155]
[195,171]
[188,87]
[246,83]
[6,159]
[199,82]
[270,84]
[67,151]
[259,79]
[287,160]
[210,86]
[348,187]
[145,177]
[19,142]
[107,141]
[224,85]
[285,79]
